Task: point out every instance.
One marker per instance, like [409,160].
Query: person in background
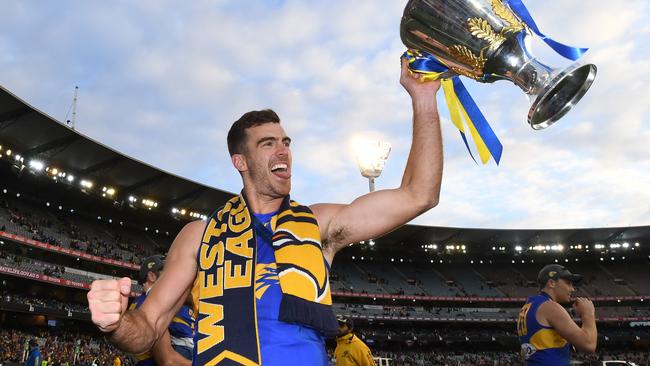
[34,357]
[350,350]
[175,346]
[546,330]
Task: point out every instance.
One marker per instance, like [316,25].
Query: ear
[239,162]
[151,277]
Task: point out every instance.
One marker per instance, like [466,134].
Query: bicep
[561,321]
[369,216]
[172,288]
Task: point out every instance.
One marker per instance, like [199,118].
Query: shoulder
[191,234]
[550,312]
[195,227]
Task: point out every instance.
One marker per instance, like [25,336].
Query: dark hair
[33,343]
[237,134]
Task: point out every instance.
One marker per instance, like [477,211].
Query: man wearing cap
[175,346]
[350,350]
[546,330]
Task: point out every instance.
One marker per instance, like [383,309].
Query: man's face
[343,328]
[268,159]
[563,290]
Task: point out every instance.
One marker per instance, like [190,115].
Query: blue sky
[163,80]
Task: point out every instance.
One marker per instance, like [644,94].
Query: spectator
[34,358]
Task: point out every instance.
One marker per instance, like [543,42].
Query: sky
[162,81]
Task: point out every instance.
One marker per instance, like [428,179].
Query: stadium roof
[422,235]
[37,135]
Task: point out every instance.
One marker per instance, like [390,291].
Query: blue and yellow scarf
[227,332]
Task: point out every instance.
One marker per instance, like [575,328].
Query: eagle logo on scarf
[266,275]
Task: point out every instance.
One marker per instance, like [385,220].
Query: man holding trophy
[258,268]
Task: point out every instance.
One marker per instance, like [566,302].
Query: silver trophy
[486,41]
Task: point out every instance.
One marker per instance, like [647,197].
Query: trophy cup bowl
[486,41]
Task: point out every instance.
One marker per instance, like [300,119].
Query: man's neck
[262,204]
[549,294]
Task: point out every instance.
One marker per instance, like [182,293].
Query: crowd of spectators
[66,232]
[12,297]
[483,281]
[458,358]
[50,269]
[60,347]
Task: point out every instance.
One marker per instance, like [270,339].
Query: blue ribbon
[482,126]
[572,53]
[425,62]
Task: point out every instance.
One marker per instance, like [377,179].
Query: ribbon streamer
[572,53]
[462,107]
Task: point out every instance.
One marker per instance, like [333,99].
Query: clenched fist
[108,300]
[584,307]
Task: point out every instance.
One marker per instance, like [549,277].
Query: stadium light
[149,203]
[86,184]
[518,248]
[34,164]
[8,152]
[108,191]
[70,178]
[371,158]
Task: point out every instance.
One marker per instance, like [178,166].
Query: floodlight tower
[371,158]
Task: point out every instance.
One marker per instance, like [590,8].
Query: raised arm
[377,213]
[137,330]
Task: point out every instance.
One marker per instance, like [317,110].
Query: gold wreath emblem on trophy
[481,29]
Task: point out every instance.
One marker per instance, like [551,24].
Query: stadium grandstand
[73,210]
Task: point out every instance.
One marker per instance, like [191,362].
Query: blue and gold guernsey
[280,342]
[181,331]
[540,345]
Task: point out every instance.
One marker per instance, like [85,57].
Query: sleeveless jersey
[280,343]
[540,345]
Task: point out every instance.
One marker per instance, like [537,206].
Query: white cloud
[163,81]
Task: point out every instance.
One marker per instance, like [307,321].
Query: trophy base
[560,95]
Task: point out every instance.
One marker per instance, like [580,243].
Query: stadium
[73,210]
